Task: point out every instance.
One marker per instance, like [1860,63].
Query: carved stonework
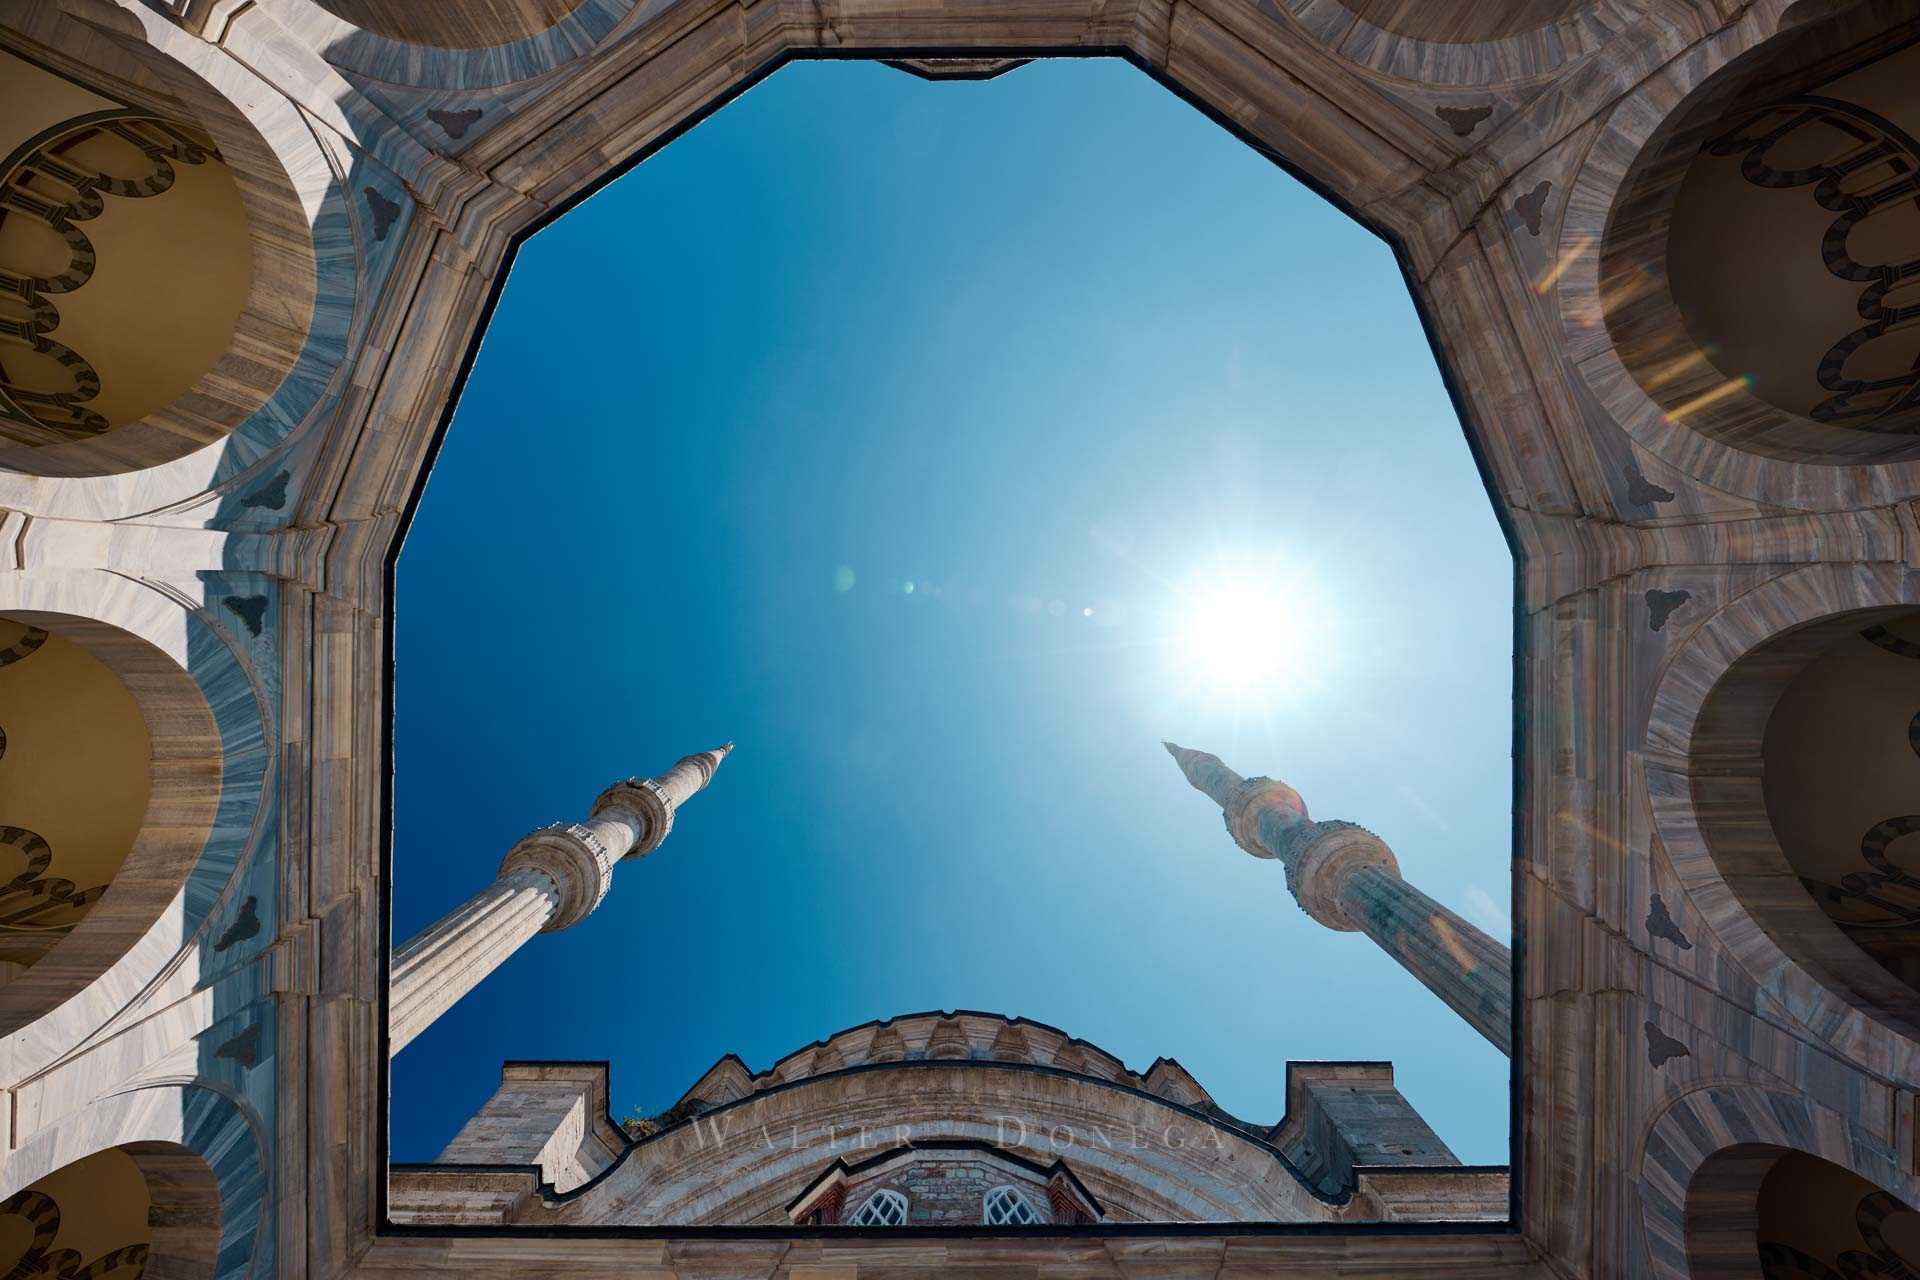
[1885,898]
[37,1259]
[572,857]
[1872,167]
[1319,875]
[37,909]
[50,186]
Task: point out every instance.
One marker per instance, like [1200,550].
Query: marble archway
[76,777]
[1711,740]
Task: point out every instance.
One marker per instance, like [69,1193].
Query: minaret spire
[550,880]
[1347,878]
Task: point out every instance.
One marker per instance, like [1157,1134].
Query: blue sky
[1069,361]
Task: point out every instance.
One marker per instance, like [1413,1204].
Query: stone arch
[458,48]
[76,758]
[1459,43]
[1703,1162]
[201,1155]
[167,837]
[139,1209]
[289,335]
[1705,784]
[207,778]
[1141,1156]
[1640,337]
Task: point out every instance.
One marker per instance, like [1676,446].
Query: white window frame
[1005,1194]
[869,1214]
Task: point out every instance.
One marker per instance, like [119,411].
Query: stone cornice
[570,855]
[910,1034]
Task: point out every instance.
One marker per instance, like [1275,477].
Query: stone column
[1347,878]
[550,880]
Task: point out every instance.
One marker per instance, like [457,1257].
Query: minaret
[1346,878]
[552,879]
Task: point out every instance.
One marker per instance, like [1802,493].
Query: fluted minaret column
[1347,878]
[550,880]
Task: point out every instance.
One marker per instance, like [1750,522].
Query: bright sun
[1245,634]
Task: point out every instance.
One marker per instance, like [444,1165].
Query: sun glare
[1247,635]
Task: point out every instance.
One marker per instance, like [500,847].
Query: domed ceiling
[1461,21]
[124,252]
[75,773]
[1842,780]
[1794,240]
[475,24]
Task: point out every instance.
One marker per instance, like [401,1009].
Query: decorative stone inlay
[37,909]
[243,1048]
[1869,166]
[251,610]
[1532,207]
[1660,924]
[1661,1047]
[1644,492]
[1661,605]
[246,923]
[1463,120]
[51,414]
[455,123]
[37,1256]
[384,212]
[28,644]
[270,496]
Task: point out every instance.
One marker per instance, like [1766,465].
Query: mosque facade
[1667,254]
[960,1119]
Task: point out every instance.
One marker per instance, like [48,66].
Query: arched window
[1007,1207]
[881,1209]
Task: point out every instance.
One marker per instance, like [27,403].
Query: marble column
[550,880]
[1346,878]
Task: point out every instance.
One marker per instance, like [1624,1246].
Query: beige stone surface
[1674,995]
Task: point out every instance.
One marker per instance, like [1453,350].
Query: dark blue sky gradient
[1038,346]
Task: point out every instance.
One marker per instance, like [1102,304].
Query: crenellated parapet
[963,1035]
[943,1110]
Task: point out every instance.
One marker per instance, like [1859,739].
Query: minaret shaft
[448,958]
[1347,878]
[1459,963]
[550,880]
